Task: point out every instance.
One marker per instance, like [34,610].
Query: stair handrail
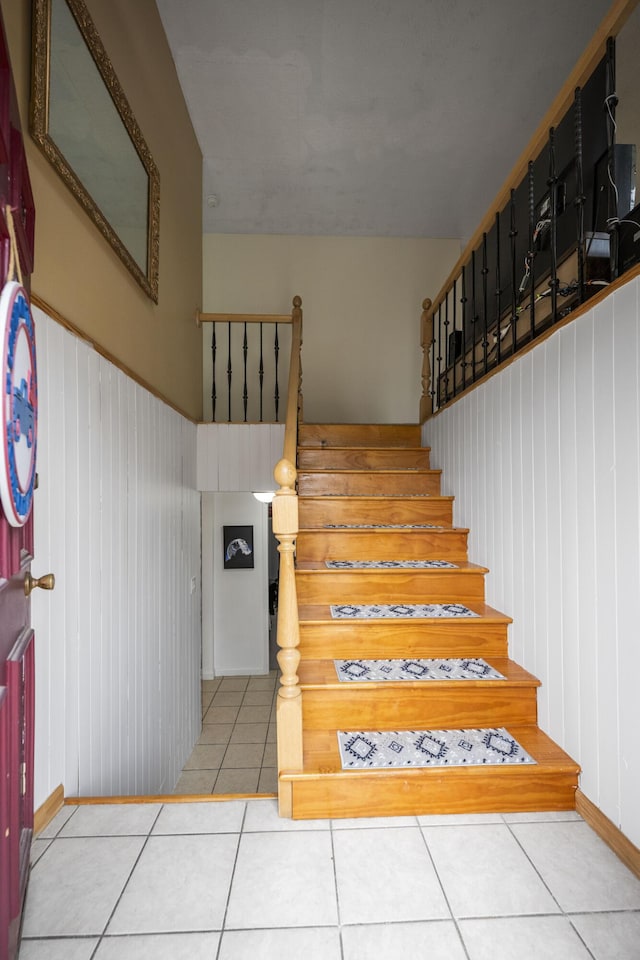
[285,528]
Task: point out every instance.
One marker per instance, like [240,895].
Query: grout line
[444,892]
[231,879]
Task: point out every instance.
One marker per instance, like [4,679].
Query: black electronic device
[629,240]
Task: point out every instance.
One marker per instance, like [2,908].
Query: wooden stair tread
[336,448]
[321,613]
[353,500]
[321,754]
[319,567]
[322,674]
[368,472]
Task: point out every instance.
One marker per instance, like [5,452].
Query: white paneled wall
[544,461]
[118,522]
[238,457]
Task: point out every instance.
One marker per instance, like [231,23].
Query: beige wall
[362,301]
[76,271]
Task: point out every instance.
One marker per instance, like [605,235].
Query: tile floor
[229,880]
[236,752]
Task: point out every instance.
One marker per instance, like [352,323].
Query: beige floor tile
[253,715]
[195,781]
[262,685]
[233,683]
[271,733]
[268,782]
[210,685]
[237,781]
[249,733]
[258,698]
[221,715]
[215,733]
[207,757]
[228,698]
[243,755]
[270,757]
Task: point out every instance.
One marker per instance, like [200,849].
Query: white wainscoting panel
[544,461]
[118,522]
[238,457]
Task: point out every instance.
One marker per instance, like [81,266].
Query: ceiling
[367,117]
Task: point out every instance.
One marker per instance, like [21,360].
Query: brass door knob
[47,582]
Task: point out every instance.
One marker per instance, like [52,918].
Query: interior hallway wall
[544,462]
[117,520]
[362,301]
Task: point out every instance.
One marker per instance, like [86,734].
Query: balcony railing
[565,227]
[247,360]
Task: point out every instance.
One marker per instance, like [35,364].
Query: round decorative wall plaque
[19,404]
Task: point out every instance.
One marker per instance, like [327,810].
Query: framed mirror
[81,120]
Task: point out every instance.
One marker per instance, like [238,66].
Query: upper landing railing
[248,365]
[564,228]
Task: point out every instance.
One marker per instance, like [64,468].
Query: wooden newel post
[426,339]
[289,702]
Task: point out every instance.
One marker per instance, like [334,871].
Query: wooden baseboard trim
[170,798]
[47,811]
[607,831]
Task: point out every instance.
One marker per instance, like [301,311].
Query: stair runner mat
[366,749]
[434,668]
[390,565]
[383,526]
[369,611]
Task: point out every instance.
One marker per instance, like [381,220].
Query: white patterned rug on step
[434,668]
[383,526]
[390,565]
[429,748]
[369,611]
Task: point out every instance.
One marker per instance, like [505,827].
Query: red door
[18,403]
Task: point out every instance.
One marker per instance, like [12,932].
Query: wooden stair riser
[359,483]
[317,545]
[386,707]
[384,586]
[362,458]
[359,434]
[317,512]
[437,791]
[344,640]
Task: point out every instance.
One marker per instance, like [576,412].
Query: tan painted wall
[362,300]
[76,271]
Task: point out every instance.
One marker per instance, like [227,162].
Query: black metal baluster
[552,183]
[432,391]
[485,302]
[229,373]
[446,347]
[276,351]
[532,252]
[463,303]
[498,294]
[214,393]
[580,197]
[513,234]
[261,372]
[611,102]
[455,337]
[474,316]
[245,392]
[439,388]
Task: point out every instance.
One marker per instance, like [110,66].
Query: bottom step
[324,789]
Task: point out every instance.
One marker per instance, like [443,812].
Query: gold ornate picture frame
[83,123]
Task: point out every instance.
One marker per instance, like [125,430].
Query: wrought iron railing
[248,362]
[563,228]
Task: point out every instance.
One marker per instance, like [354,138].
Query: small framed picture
[238,547]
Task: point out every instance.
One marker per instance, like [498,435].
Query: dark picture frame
[237,547]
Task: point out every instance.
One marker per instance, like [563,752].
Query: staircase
[368,493]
